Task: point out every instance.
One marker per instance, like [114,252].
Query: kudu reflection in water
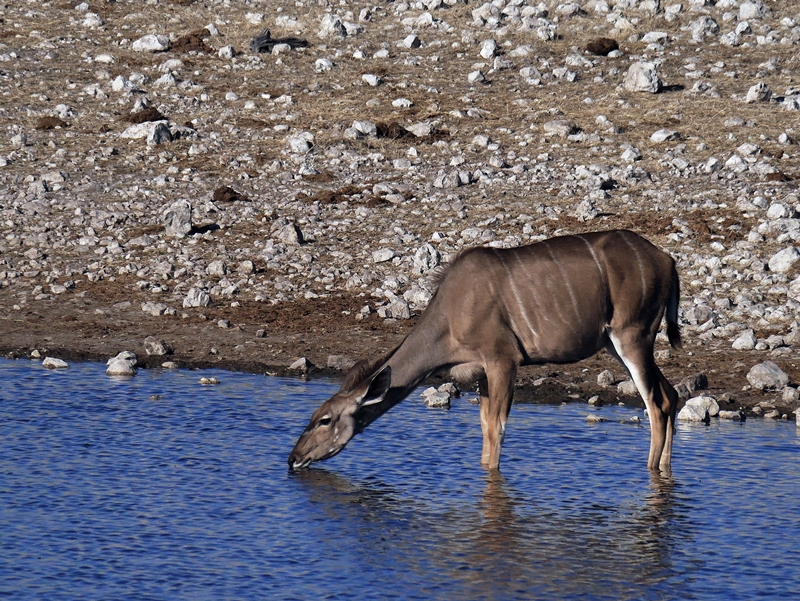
[504,546]
[557,301]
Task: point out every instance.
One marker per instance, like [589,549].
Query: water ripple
[158,488]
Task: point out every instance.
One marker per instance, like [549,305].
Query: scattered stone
[627,388]
[706,403]
[155,347]
[693,413]
[746,341]
[177,219]
[595,401]
[642,77]
[196,298]
[151,43]
[440,397]
[301,364]
[594,419]
[54,363]
[209,381]
[737,416]
[339,362]
[606,378]
[767,376]
[760,92]
[783,261]
[124,364]
[560,127]
[664,135]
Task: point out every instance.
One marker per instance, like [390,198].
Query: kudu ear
[376,388]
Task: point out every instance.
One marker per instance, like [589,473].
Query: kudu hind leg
[496,390]
[658,395]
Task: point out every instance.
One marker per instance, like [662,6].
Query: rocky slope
[160,176]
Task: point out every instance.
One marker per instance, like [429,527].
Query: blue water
[159,488]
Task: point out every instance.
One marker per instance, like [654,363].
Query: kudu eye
[324,421]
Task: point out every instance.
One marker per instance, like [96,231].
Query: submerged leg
[660,398]
[497,391]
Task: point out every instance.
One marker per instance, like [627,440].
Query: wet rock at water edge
[123,364]
[705,402]
[207,381]
[767,376]
[53,363]
[736,416]
[440,397]
[302,364]
[693,413]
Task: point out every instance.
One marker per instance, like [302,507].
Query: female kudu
[557,301]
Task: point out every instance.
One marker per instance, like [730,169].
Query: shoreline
[274,337]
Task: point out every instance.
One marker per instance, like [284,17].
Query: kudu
[557,301]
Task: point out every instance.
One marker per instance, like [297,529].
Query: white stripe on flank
[596,259]
[568,284]
[517,297]
[639,261]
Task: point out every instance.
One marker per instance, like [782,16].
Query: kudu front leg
[497,391]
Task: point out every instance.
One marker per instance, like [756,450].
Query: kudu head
[345,414]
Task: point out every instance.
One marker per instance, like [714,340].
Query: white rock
[196,298]
[371,79]
[746,341]
[301,142]
[289,234]
[760,92]
[664,135]
[420,130]
[151,43]
[752,10]
[767,376]
[332,26]
[92,20]
[476,77]
[426,258]
[642,77]
[53,363]
[736,416]
[412,41]
[120,367]
[121,84]
[323,64]
[402,103]
[691,413]
[226,52]
[488,49]
[382,255]
[177,219]
[159,133]
[106,59]
[784,260]
[705,402]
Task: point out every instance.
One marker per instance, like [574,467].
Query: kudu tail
[673,331]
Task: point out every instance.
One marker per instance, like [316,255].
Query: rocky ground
[160,177]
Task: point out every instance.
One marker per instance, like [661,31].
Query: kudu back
[557,301]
